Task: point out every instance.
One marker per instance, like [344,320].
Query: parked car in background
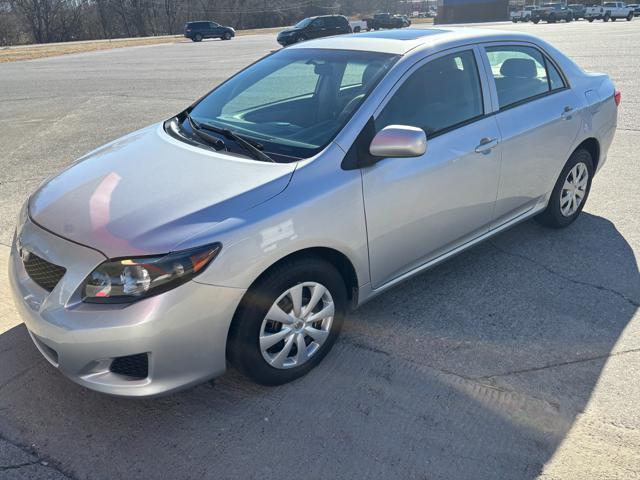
[594,12]
[358,26]
[578,9]
[385,20]
[616,10]
[198,31]
[636,9]
[551,13]
[302,187]
[314,27]
[523,15]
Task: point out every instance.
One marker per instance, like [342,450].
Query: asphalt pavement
[517,359]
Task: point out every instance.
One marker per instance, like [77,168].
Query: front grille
[45,274]
[133,366]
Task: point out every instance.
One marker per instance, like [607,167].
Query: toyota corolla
[243,229]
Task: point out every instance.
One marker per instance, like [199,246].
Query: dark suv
[314,27]
[196,31]
[551,13]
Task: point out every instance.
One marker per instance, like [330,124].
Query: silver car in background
[245,227]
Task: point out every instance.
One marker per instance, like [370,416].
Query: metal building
[462,11]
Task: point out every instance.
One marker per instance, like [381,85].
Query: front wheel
[590,20]
[356,30]
[288,321]
[630,17]
[570,191]
[536,20]
[226,36]
[606,17]
[613,19]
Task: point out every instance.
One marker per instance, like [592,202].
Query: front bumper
[183,331]
[286,40]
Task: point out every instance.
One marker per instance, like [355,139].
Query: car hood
[289,30]
[147,192]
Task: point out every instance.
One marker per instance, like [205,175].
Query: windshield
[295,101]
[303,23]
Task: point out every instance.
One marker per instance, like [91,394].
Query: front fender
[321,207]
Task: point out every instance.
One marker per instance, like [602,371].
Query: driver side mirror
[399,141]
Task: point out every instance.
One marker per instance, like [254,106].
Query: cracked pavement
[516,359]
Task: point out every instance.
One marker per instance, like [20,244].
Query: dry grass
[30,52]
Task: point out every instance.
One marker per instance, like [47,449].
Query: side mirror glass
[399,141]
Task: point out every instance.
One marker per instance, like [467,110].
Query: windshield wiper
[208,139]
[251,147]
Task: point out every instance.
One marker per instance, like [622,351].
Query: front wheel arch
[338,259]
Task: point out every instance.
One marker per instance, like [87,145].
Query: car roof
[399,42]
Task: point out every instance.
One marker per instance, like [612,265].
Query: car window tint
[519,73]
[318,23]
[555,79]
[300,78]
[443,93]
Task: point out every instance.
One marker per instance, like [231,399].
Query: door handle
[566,113]
[486,144]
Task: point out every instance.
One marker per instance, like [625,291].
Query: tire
[536,20]
[356,30]
[226,36]
[590,20]
[553,215]
[514,20]
[197,37]
[606,17]
[613,19]
[269,293]
[630,17]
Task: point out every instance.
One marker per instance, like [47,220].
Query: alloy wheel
[297,325]
[574,189]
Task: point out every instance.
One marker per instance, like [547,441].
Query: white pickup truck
[615,10]
[358,26]
[595,12]
[523,15]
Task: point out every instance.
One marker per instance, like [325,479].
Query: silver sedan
[244,228]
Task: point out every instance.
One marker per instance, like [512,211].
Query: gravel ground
[517,359]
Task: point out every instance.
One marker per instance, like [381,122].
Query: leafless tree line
[44,21]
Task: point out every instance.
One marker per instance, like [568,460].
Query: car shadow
[475,369]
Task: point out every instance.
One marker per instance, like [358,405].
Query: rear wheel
[197,37]
[570,191]
[288,321]
[536,20]
[590,20]
[356,30]
[606,17]
[613,19]
[514,20]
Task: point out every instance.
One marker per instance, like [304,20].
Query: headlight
[130,279]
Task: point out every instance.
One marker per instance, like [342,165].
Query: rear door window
[520,73]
